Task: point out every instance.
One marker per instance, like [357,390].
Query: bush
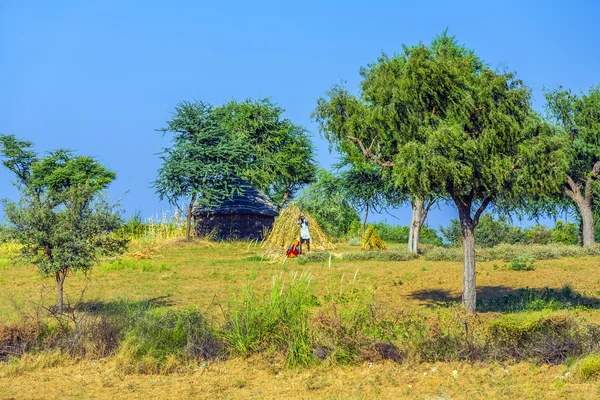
[543,338]
[589,367]
[17,339]
[354,241]
[522,263]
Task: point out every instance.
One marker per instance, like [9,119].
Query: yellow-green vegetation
[371,240]
[589,368]
[196,315]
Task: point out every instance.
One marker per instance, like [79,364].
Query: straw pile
[371,240]
[286,230]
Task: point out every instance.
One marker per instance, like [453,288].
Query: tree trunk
[583,198]
[60,280]
[580,234]
[364,224]
[469,297]
[188,235]
[587,221]
[414,233]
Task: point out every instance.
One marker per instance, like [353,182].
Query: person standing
[304,232]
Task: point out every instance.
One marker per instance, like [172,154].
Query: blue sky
[99,76]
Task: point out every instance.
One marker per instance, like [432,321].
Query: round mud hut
[248,214]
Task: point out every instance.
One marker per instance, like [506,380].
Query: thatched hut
[247,215]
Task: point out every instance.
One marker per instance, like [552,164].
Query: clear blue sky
[99,76]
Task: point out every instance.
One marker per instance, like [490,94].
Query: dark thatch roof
[247,200]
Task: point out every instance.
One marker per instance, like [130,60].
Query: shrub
[17,339]
[589,367]
[522,263]
[544,338]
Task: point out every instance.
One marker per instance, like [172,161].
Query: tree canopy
[279,158]
[203,162]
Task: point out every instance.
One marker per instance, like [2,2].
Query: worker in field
[304,232]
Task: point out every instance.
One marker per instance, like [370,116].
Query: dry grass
[258,377]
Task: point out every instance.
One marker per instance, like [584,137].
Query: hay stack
[371,240]
[286,230]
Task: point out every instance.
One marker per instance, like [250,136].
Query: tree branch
[368,152]
[481,209]
[425,211]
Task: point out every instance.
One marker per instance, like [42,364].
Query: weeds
[343,327]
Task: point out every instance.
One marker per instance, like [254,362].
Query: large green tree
[279,158]
[203,161]
[448,125]
[62,220]
[578,119]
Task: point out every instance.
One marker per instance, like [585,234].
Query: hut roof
[247,200]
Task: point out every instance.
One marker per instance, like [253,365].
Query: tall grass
[155,229]
[279,321]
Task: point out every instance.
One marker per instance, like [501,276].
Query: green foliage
[564,233]
[578,118]
[529,300]
[203,160]
[399,234]
[368,187]
[507,252]
[389,255]
[69,238]
[493,231]
[447,125]
[279,153]
[325,201]
[520,263]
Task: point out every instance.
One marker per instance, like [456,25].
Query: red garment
[293,250]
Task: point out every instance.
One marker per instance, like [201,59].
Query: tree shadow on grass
[122,307]
[506,299]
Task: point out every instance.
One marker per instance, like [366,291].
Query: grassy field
[210,277]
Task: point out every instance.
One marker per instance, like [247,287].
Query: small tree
[578,119]
[61,219]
